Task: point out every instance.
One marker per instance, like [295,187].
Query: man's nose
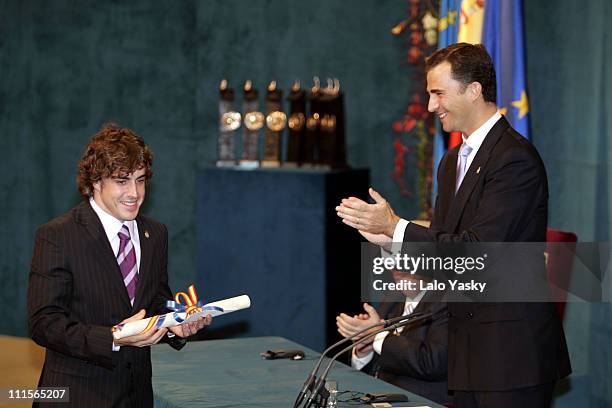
[132,189]
[432,105]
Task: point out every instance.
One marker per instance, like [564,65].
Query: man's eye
[141,181]
[120,182]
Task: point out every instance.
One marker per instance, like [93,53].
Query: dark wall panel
[66,67]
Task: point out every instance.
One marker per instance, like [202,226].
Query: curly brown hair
[112,151]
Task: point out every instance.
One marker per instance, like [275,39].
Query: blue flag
[448,27]
[503,38]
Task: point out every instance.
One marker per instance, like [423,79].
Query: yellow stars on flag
[522,105]
[449,20]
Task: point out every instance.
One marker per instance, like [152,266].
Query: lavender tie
[126,258]
[464,152]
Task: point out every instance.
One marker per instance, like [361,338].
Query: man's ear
[474,90]
[97,186]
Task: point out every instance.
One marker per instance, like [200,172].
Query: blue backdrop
[66,67]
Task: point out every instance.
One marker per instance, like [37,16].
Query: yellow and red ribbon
[191,305]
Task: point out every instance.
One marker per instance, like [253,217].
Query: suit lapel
[104,252]
[423,307]
[473,175]
[447,185]
[146,257]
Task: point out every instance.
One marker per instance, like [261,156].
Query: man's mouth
[129,203]
[442,115]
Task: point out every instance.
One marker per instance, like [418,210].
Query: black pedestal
[274,235]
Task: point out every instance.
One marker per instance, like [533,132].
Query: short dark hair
[112,151]
[469,63]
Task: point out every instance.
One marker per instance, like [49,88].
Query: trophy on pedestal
[253,121]
[296,125]
[315,120]
[229,122]
[311,139]
[332,149]
[275,123]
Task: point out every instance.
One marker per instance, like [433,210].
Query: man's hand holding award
[189,310]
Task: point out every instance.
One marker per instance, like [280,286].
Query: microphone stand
[403,321]
[312,377]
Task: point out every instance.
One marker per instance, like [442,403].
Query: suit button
[469,315]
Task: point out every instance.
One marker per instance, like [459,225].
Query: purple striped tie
[126,258]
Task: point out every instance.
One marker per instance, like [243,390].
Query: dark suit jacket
[417,358]
[76,294]
[503,198]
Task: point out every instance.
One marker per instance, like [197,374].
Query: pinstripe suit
[76,293]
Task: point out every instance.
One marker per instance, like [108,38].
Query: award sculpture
[296,125]
[311,140]
[229,122]
[332,148]
[275,123]
[315,122]
[253,121]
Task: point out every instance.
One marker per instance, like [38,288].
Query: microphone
[401,321]
[313,373]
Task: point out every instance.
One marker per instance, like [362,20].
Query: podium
[230,373]
[274,234]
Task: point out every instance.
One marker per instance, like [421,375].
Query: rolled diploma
[217,308]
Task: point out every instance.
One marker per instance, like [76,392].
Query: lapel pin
[147,232]
[478,170]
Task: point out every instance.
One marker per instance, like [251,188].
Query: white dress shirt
[112,226]
[478,136]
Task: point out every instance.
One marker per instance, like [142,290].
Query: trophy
[253,121]
[311,139]
[296,125]
[275,123]
[332,148]
[229,122]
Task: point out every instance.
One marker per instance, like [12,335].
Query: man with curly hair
[98,265]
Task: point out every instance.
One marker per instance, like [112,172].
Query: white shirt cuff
[398,236]
[115,347]
[359,362]
[378,341]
